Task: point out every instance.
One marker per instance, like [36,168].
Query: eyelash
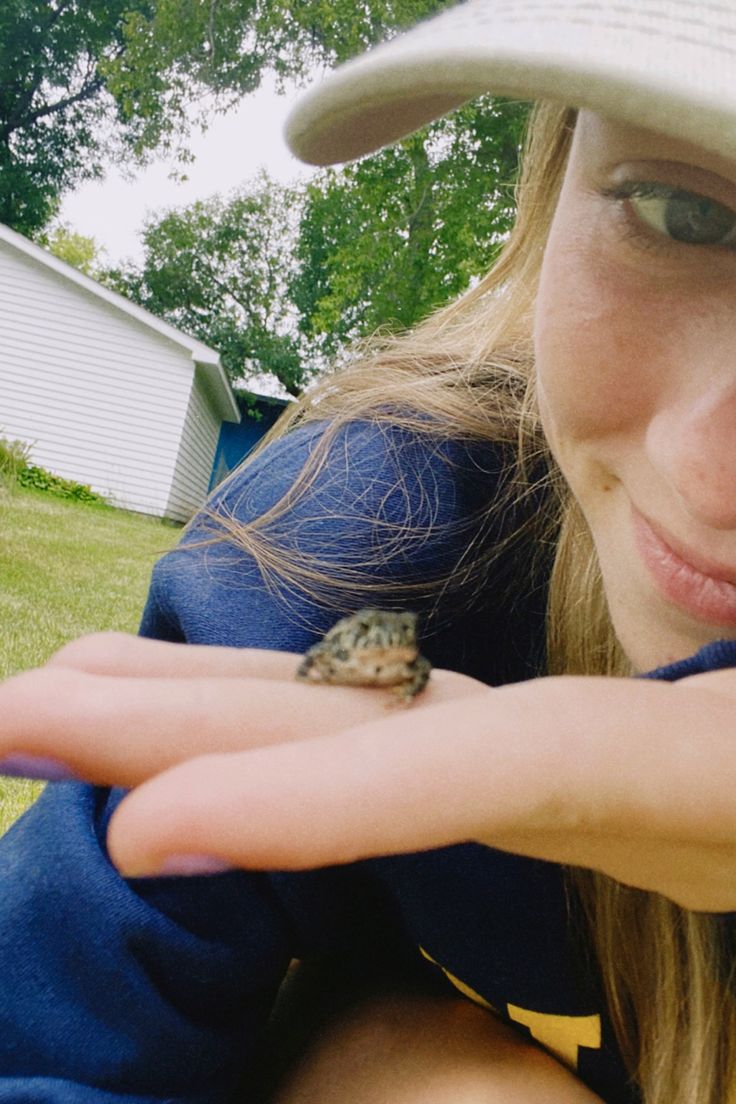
[637,228]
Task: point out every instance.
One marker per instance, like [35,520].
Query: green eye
[682,216]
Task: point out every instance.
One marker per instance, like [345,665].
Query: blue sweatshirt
[158,990]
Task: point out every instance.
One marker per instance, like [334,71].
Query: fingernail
[191,865]
[36,767]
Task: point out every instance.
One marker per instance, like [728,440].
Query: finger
[114,653]
[367,793]
[120,731]
[522,760]
[381,788]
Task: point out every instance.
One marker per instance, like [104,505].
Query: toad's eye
[681,216]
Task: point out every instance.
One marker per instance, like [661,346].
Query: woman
[601,343]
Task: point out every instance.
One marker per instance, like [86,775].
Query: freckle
[606,487]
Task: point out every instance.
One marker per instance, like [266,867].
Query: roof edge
[201,354]
[220,389]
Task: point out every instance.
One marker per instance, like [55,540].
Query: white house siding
[100,397]
[196,450]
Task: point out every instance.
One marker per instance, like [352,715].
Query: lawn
[66,568]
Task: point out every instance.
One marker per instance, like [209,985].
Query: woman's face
[636,358]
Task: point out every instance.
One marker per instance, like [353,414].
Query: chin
[659,643]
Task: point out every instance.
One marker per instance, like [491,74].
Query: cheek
[600,343]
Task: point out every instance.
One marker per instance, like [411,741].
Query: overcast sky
[233,149]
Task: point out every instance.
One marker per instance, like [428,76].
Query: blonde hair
[469,367]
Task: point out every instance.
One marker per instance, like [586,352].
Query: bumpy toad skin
[370,648]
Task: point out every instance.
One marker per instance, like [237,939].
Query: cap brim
[644,70]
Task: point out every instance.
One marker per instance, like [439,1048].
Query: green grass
[66,568]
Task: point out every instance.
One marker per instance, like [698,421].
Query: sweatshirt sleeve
[391,521]
[157,990]
[115,991]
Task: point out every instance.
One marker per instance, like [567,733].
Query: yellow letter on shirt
[562,1035]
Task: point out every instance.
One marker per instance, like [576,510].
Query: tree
[385,240]
[76,249]
[86,81]
[380,243]
[304,33]
[218,270]
[280,280]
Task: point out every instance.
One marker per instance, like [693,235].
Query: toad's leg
[407,691]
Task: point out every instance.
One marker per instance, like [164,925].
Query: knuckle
[453,684]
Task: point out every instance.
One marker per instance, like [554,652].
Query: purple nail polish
[191,865]
[36,767]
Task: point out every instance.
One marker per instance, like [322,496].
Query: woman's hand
[119,709]
[630,777]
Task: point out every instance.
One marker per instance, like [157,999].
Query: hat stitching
[656,13]
[612,25]
[472,14]
[522,12]
[510,14]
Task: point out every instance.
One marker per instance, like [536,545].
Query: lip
[703,589]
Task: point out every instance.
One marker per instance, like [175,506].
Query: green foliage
[51,101]
[280,280]
[380,243]
[249,405]
[14,459]
[218,269]
[43,480]
[303,33]
[84,82]
[386,240]
[16,469]
[89,80]
[76,249]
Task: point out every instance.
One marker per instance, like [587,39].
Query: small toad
[371,648]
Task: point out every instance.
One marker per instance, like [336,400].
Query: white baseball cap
[666,65]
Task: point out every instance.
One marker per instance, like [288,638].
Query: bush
[14,458]
[42,480]
[15,468]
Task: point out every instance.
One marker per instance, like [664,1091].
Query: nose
[692,445]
